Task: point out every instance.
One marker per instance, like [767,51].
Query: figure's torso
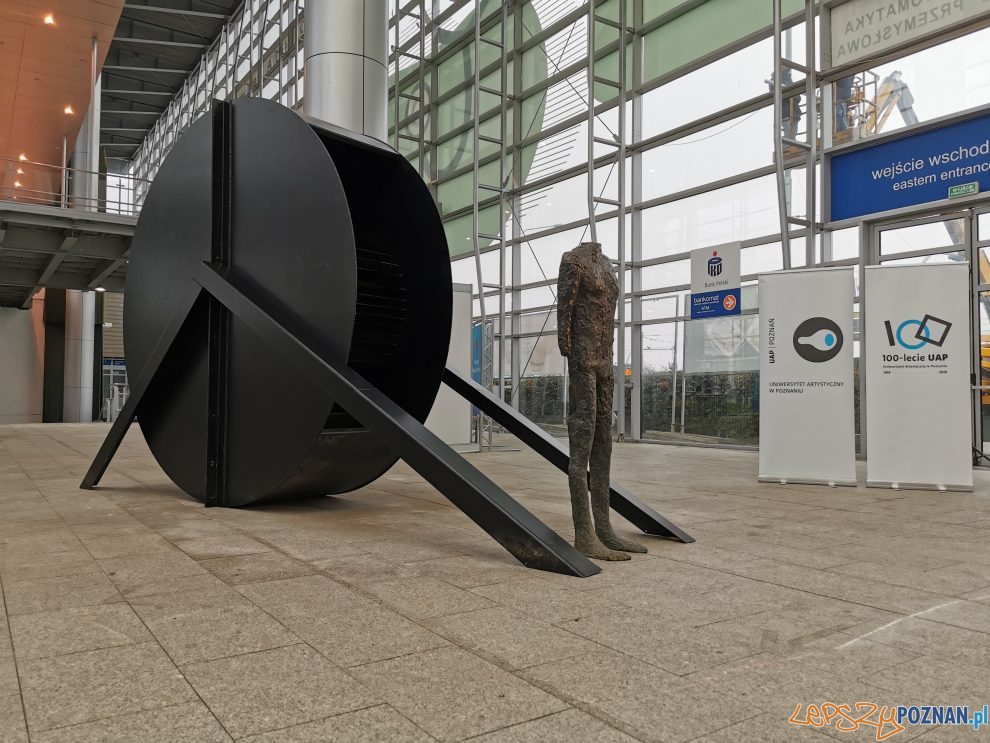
[594,309]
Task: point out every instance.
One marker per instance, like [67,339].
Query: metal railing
[19,181]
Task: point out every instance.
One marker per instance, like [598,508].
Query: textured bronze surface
[587,294]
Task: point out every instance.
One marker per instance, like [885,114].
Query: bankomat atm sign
[909,170]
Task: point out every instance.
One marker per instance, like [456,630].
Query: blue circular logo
[829,340]
[925,332]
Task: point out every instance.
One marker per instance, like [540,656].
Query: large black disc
[292,239]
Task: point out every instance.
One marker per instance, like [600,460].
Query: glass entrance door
[980,231]
[962,236]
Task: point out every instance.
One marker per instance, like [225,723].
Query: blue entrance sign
[476,336]
[916,169]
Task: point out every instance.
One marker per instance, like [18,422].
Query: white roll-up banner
[807,415]
[917,362]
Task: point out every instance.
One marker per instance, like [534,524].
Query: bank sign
[947,162]
[715,282]
[861,28]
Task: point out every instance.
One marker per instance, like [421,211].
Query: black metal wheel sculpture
[368,278]
[287,321]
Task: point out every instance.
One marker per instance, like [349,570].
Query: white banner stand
[807,406]
[917,363]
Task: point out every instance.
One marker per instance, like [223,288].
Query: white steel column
[80,345]
[346,64]
[84,182]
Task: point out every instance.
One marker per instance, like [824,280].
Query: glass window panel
[659,389]
[664,306]
[761,259]
[706,28]
[845,244]
[730,148]
[541,386]
[942,80]
[539,259]
[721,359]
[922,236]
[542,296]
[738,212]
[953,257]
[560,203]
[538,322]
[663,275]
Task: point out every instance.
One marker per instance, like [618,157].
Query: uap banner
[807,416]
[917,362]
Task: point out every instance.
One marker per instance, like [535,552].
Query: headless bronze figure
[586,298]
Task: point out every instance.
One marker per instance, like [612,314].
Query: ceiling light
[100,289]
[22,157]
[49,19]
[17,184]
[69,111]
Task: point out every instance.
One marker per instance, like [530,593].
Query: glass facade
[697,139]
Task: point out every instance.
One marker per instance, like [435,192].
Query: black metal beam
[137,68]
[158,42]
[622,501]
[165,93]
[138,387]
[96,279]
[27,278]
[176,11]
[219,315]
[527,538]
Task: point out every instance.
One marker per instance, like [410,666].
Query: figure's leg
[580,432]
[601,465]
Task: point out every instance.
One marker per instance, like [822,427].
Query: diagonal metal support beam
[165,93]
[528,539]
[141,68]
[28,298]
[100,276]
[622,501]
[138,387]
[53,263]
[159,42]
[176,11]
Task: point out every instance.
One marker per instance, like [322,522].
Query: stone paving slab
[131,613]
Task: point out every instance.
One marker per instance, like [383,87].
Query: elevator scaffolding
[618,144]
[415,11]
[492,333]
[787,117]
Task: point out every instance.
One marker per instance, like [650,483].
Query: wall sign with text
[715,282]
[943,163]
[861,28]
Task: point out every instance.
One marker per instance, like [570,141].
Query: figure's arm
[568,281]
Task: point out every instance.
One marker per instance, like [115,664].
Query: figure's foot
[591,547]
[615,542]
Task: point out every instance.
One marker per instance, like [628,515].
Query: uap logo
[929,329]
[714,264]
[818,339]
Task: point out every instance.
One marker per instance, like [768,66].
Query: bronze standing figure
[587,293]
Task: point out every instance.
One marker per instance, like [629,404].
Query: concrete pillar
[80,345]
[347,64]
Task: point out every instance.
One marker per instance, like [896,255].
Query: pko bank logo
[915,334]
[714,264]
[818,339]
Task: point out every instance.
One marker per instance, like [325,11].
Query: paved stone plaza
[131,613]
